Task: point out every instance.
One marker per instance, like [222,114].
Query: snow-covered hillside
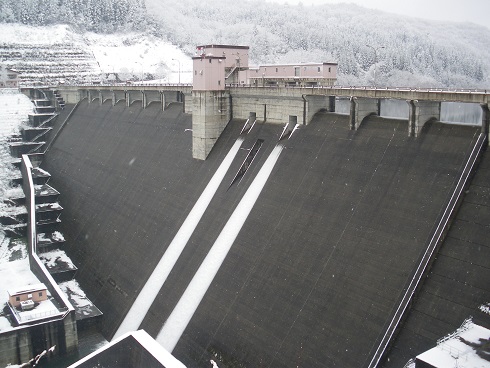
[58,53]
[398,50]
[410,52]
[14,110]
[141,56]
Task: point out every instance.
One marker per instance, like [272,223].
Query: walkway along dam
[298,237]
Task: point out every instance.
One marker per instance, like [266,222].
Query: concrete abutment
[360,108]
[420,112]
[485,121]
[314,104]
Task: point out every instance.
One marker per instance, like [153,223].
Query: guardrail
[427,257]
[59,312]
[468,322]
[241,85]
[366,88]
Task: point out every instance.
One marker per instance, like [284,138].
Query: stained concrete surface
[321,262]
[459,281]
[318,267]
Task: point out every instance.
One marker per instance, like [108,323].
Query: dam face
[318,266]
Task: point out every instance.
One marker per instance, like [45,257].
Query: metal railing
[26,317]
[468,322]
[365,88]
[429,252]
[35,263]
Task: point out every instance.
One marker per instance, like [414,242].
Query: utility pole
[179,67]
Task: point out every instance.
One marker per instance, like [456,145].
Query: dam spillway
[319,264]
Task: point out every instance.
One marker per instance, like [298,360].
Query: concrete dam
[300,254]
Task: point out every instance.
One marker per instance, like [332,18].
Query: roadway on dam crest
[321,260]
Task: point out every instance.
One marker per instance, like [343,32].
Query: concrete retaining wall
[274,110]
[210,114]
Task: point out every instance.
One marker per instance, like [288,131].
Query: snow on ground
[485,308]
[16,192]
[48,206]
[138,54]
[14,110]
[83,306]
[73,291]
[48,238]
[57,236]
[30,35]
[460,349]
[55,258]
[13,274]
[58,53]
[45,308]
[12,249]
[47,54]
[4,248]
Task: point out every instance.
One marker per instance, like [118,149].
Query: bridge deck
[401,93]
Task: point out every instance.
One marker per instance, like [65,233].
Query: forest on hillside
[104,16]
[409,51]
[367,44]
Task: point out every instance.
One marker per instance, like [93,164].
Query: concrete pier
[361,108]
[485,119]
[313,104]
[211,112]
[420,112]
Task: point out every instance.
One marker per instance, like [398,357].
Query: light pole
[179,67]
[375,49]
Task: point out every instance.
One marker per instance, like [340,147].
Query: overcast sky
[475,11]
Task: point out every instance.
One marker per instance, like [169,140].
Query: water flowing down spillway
[152,287]
[180,317]
[465,113]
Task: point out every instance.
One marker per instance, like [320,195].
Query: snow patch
[137,54]
[56,257]
[75,293]
[485,308]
